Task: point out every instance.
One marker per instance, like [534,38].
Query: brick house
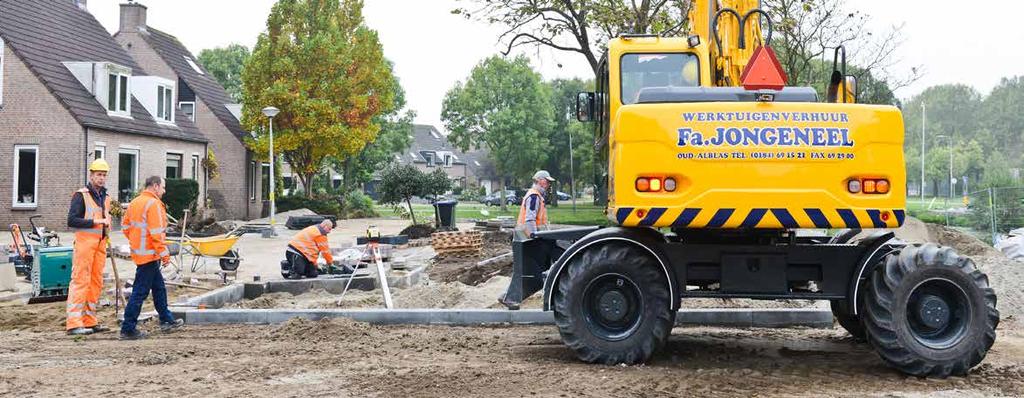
[430,150]
[69,94]
[240,191]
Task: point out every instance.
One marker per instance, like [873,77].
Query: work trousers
[86,285]
[301,266]
[147,278]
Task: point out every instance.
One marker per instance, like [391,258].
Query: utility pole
[924,121]
[952,182]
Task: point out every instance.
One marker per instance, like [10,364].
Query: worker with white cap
[533,215]
[89,217]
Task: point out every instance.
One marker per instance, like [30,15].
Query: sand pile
[425,295]
[323,330]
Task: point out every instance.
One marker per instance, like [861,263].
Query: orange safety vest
[145,226]
[311,243]
[542,212]
[93,211]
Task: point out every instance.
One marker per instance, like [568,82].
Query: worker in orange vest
[533,214]
[145,225]
[304,250]
[89,218]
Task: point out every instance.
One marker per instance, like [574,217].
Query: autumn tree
[394,138]
[577,26]
[226,64]
[325,70]
[504,107]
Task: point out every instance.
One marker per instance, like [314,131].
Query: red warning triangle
[763,72]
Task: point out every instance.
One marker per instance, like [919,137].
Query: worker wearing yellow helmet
[89,218]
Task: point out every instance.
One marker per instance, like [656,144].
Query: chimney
[133,17]
[81,4]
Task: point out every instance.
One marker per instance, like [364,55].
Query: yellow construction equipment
[722,181]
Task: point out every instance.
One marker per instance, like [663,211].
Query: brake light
[882,186]
[643,184]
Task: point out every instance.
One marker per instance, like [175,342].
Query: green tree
[503,106]
[226,65]
[400,183]
[325,70]
[563,101]
[435,184]
[1003,119]
[577,26]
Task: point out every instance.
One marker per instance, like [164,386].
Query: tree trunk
[412,214]
[504,206]
[307,183]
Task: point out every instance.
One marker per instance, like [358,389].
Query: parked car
[563,195]
[494,199]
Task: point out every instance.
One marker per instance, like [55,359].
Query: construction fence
[990,214]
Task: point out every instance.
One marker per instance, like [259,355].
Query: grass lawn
[586,213]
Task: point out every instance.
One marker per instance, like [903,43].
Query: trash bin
[445,214]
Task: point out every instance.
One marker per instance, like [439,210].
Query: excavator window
[647,72]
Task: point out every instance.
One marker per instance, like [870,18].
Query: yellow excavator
[722,182]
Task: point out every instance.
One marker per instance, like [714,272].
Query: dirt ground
[341,358]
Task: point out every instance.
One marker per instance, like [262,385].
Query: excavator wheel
[613,306]
[930,312]
[852,323]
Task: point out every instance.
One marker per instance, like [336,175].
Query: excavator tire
[930,312]
[852,323]
[613,306]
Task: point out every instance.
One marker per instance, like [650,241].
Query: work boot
[80,332]
[133,335]
[100,329]
[168,327]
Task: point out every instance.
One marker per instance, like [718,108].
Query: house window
[127,174]
[1,72]
[188,109]
[100,152]
[164,99]
[195,167]
[447,160]
[26,175]
[252,181]
[430,159]
[173,166]
[117,93]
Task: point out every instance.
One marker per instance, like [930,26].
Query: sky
[951,40]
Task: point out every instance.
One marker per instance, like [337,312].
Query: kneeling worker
[304,250]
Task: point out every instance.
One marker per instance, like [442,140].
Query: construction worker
[533,214]
[145,225]
[304,250]
[89,218]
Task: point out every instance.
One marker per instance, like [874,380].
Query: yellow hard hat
[99,165]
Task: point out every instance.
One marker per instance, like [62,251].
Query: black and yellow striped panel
[761,218]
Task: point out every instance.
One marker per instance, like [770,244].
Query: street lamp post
[924,121]
[270,112]
[572,175]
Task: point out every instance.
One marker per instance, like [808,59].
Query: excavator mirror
[585,107]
